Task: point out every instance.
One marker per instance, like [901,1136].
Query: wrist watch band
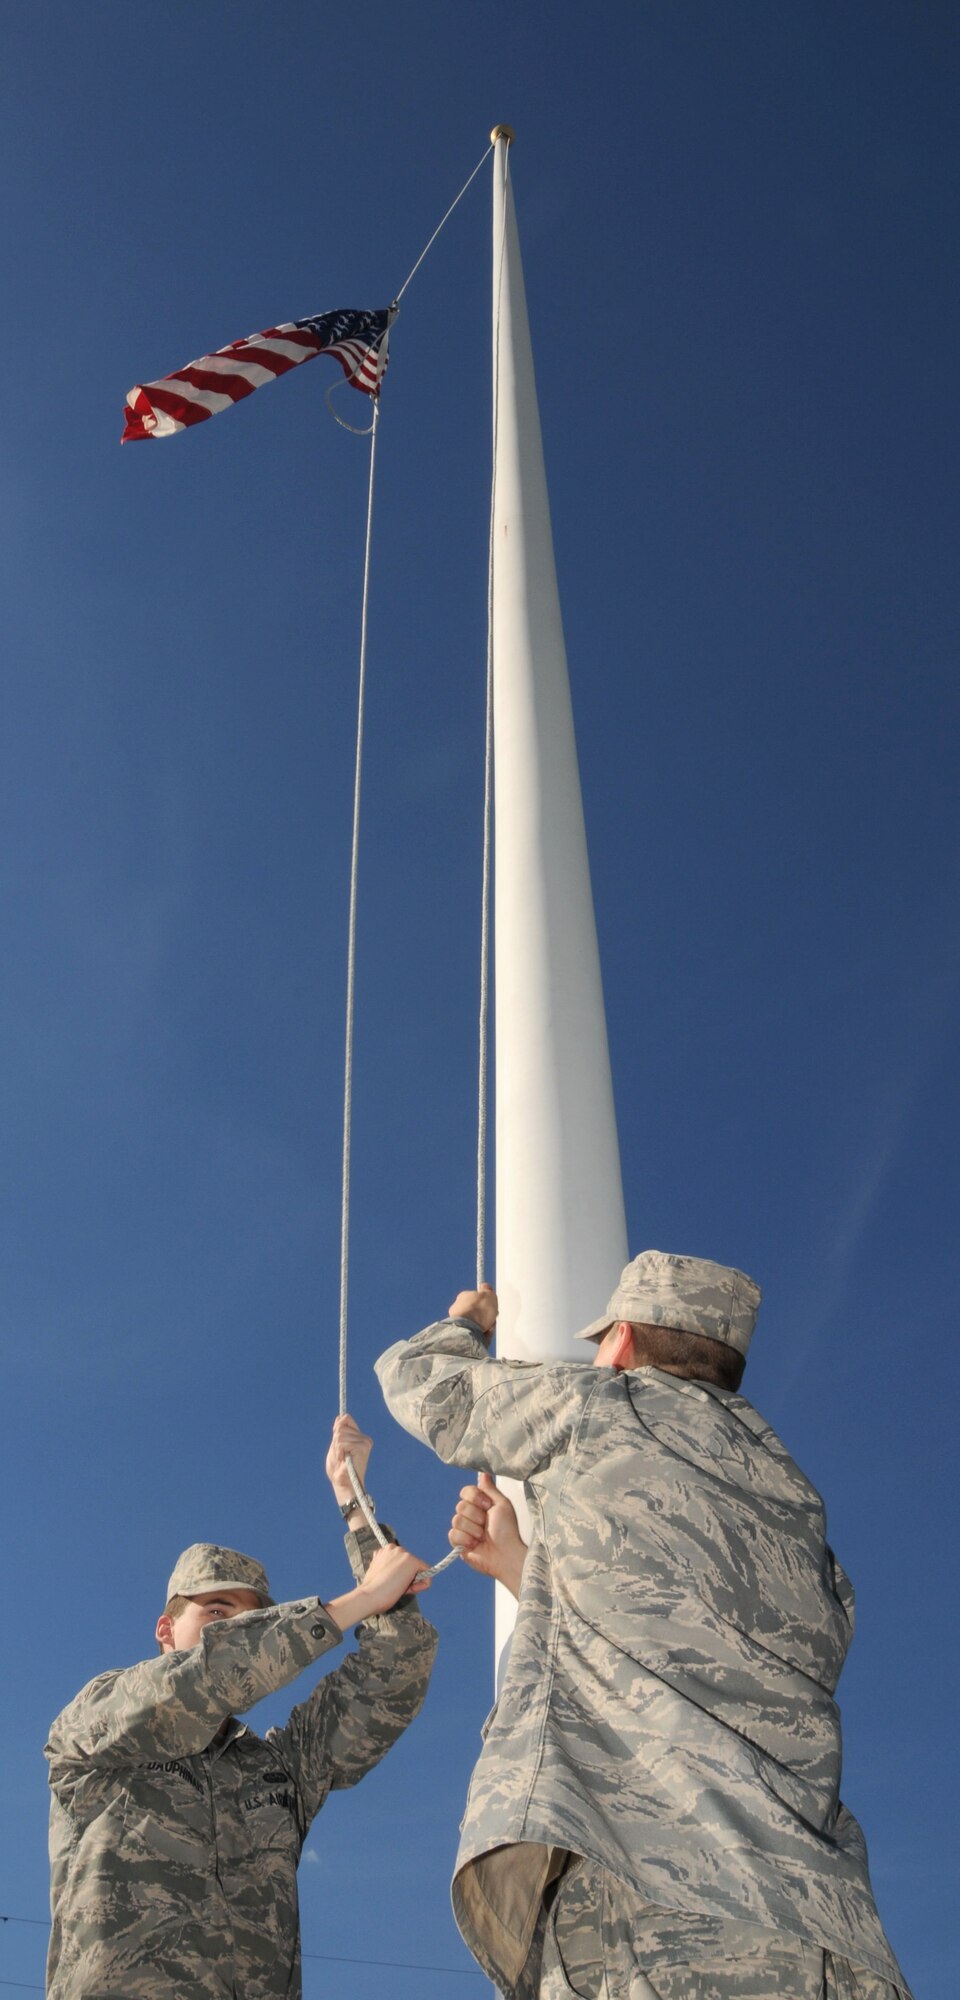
[352,1506]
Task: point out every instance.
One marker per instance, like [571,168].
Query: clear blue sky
[739,228]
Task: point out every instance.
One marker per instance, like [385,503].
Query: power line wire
[396,1964]
[327,1957]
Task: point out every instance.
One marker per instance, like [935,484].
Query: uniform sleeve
[172,1706]
[358,1711]
[507,1417]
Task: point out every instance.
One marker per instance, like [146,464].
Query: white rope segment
[453,205]
[352,933]
[482,1086]
[359,1493]
[484,1010]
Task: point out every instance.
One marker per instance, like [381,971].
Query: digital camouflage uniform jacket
[175,1832]
[668,1708]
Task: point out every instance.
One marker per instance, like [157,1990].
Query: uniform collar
[227,1733]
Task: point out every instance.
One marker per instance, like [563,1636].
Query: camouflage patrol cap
[205,1566]
[689,1294]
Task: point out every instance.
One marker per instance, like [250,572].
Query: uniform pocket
[270,1818]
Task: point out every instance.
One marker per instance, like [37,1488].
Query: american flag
[358,340]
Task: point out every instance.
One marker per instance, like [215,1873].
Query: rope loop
[345,382]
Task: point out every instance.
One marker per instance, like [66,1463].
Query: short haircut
[694,1356]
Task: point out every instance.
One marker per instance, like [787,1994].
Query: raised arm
[383,1576]
[510,1417]
[350,1721]
[348,1441]
[172,1706]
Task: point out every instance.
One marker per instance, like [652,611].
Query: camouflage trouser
[601,1942]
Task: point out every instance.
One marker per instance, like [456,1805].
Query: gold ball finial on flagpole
[502,132]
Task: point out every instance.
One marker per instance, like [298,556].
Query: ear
[164,1634]
[621,1347]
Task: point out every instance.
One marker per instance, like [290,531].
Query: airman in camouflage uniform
[655,1814]
[175,1831]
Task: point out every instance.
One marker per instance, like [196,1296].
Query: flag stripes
[358,340]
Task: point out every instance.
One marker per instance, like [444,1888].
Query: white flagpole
[561,1236]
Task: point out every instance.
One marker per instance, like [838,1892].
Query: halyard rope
[484,1009]
[359,1494]
[453,204]
[484,1024]
[352,933]
[367,431]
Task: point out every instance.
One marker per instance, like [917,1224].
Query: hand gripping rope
[359,1494]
